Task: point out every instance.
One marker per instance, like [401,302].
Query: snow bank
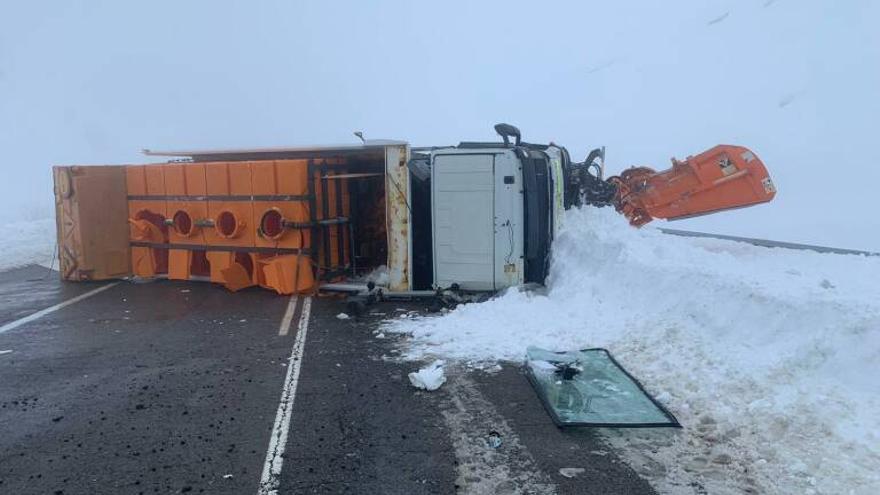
[26,242]
[767,356]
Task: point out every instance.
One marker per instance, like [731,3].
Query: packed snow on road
[768,357]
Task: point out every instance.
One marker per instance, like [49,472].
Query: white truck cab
[494,210]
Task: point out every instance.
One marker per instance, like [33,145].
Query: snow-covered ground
[768,357]
[26,242]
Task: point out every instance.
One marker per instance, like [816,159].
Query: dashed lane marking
[274,456]
[43,312]
[288,316]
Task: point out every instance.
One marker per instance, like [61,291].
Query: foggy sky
[798,82]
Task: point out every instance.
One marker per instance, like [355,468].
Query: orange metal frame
[274,223]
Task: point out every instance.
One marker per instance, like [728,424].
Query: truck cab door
[463,210]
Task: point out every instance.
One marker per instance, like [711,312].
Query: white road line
[43,312]
[278,441]
[288,315]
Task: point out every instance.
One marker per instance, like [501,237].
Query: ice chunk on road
[429,378]
[571,472]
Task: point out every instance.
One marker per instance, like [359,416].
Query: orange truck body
[239,223]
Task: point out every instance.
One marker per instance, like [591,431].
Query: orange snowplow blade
[722,178]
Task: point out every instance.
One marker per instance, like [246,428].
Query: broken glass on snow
[589,388]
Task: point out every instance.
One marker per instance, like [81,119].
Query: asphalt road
[171,387]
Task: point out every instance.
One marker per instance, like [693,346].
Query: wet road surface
[171,387]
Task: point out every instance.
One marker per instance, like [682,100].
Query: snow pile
[768,357]
[429,378]
[26,242]
[380,276]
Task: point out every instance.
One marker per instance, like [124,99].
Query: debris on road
[7,351]
[590,388]
[571,472]
[429,378]
[494,439]
[495,368]
[343,316]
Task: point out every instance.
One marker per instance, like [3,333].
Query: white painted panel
[464,230]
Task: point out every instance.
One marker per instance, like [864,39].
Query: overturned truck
[478,216]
